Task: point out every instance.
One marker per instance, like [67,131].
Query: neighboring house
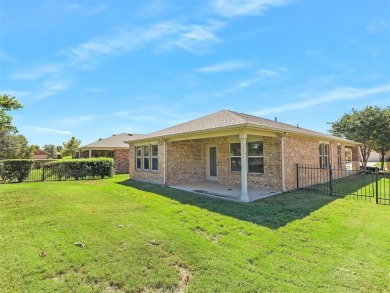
[111,147]
[233,148]
[377,157]
[374,157]
[40,155]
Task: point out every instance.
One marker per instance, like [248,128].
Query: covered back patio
[238,166]
[230,192]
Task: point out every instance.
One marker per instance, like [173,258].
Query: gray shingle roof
[115,141]
[226,119]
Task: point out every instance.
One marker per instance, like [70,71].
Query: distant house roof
[41,153]
[113,142]
[226,119]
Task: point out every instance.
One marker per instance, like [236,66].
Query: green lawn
[146,238]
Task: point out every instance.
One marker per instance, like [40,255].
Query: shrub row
[19,170]
[15,170]
[79,168]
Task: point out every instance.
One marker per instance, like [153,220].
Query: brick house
[233,148]
[111,147]
[40,155]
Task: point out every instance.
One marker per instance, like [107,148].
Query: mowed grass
[146,238]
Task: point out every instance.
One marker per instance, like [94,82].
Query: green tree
[7,103]
[363,126]
[71,146]
[382,143]
[51,149]
[14,146]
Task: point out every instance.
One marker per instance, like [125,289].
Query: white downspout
[165,163]
[282,153]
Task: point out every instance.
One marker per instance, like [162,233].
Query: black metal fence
[40,171]
[369,184]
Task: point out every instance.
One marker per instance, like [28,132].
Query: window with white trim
[339,156]
[324,155]
[235,157]
[145,157]
[138,157]
[255,157]
[154,155]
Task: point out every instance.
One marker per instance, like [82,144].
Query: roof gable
[115,141]
[226,118]
[41,152]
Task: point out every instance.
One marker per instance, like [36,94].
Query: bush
[16,170]
[80,168]
[38,164]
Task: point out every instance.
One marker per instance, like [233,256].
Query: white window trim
[145,157]
[247,157]
[136,157]
[339,157]
[153,157]
[324,154]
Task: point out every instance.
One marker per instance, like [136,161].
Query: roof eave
[242,126]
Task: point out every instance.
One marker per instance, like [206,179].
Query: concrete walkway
[230,192]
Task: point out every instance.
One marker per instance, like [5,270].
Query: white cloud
[223,67]
[165,35]
[6,57]
[270,73]
[154,8]
[122,114]
[346,93]
[192,38]
[37,72]
[232,8]
[95,89]
[161,36]
[44,130]
[50,88]
[75,121]
[87,9]
[15,93]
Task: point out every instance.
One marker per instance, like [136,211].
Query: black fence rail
[369,184]
[41,170]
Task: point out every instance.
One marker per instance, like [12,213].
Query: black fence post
[330,180]
[376,186]
[297,166]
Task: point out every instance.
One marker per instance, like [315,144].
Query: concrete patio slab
[230,192]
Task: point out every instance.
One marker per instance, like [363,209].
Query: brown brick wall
[305,151]
[147,175]
[121,158]
[186,162]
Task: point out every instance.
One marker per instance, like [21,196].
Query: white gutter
[282,159]
[165,163]
[245,126]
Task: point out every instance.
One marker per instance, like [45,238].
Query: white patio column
[244,169]
[89,153]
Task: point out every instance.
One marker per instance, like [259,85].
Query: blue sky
[95,68]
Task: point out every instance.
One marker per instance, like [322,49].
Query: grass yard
[146,238]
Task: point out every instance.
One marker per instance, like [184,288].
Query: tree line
[16,146]
[370,126]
